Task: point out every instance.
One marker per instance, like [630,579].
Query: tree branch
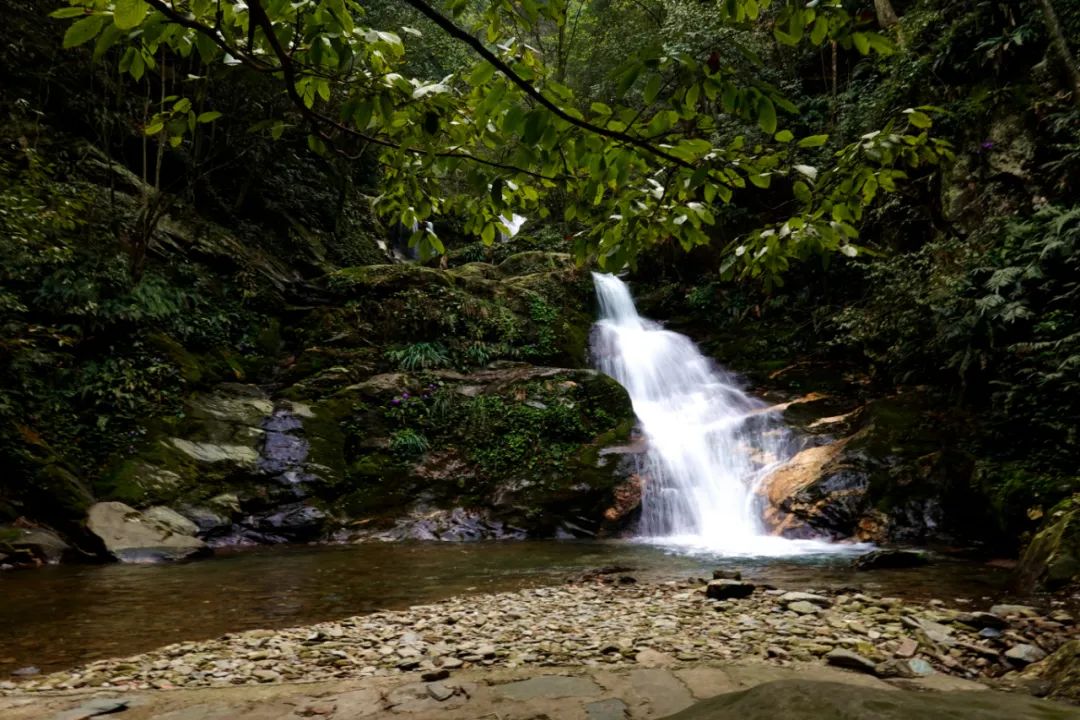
[448,26]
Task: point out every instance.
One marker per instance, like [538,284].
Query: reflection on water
[59,616]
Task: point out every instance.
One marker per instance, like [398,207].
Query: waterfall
[709,443]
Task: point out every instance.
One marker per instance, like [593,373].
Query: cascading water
[709,443]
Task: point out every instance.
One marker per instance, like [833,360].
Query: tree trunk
[1061,46]
[886,16]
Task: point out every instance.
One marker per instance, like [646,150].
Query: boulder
[1060,671]
[728,589]
[1052,559]
[34,545]
[1024,654]
[133,537]
[816,700]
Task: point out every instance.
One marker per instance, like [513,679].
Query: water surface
[59,616]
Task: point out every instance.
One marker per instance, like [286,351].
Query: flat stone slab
[549,686]
[748,691]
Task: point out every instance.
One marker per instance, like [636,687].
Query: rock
[728,589]
[1007,610]
[266,676]
[130,536]
[440,692]
[27,671]
[792,597]
[817,700]
[890,559]
[850,661]
[1061,672]
[910,668]
[989,633]
[170,520]
[1024,654]
[611,709]
[721,574]
[803,608]
[435,675]
[95,708]
[1052,558]
[907,648]
[980,620]
[44,545]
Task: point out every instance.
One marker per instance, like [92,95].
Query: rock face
[1052,559]
[134,537]
[878,472]
[1060,671]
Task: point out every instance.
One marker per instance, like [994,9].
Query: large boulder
[814,700]
[134,537]
[884,472]
[1059,674]
[1052,559]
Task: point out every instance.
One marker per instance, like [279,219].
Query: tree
[653,165]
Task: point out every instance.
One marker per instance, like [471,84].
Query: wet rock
[812,598]
[440,692]
[1052,558]
[907,648]
[95,708]
[170,520]
[890,559]
[909,668]
[980,620]
[44,546]
[728,589]
[850,661]
[803,608]
[130,536]
[722,574]
[297,522]
[1024,654]
[1005,611]
[1060,671]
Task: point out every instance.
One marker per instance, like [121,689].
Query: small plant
[409,443]
[420,356]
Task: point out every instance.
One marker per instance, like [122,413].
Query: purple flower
[395,401]
[987,145]
[404,396]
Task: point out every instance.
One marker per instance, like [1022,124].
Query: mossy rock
[1052,559]
[382,280]
[535,261]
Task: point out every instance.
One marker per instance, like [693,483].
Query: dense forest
[208,207]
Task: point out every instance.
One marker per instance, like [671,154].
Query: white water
[709,443]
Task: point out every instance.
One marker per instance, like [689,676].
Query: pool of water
[56,617]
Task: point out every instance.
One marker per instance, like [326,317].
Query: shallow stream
[60,616]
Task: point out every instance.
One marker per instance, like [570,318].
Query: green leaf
[209,117]
[83,31]
[813,141]
[652,88]
[784,136]
[919,119]
[767,115]
[820,31]
[862,44]
[68,12]
[129,13]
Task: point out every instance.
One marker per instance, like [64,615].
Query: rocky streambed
[613,621]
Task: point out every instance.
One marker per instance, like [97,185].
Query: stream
[59,616]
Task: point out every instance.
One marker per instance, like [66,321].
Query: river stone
[728,589]
[850,661]
[1024,654]
[793,597]
[612,709]
[95,708]
[910,668]
[130,536]
[1021,610]
[981,620]
[803,608]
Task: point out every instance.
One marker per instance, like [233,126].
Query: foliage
[420,356]
[408,443]
[638,168]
